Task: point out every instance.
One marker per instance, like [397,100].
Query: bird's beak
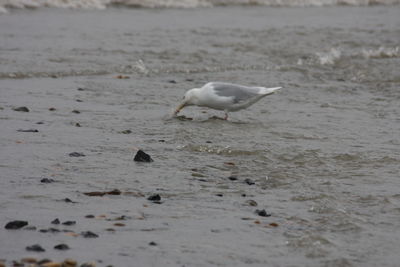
[179,108]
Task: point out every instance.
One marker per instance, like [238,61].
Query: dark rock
[79,100]
[219,195]
[208,142]
[61,247]
[126,132]
[50,230]
[76,111]
[56,221]
[152,243]
[249,181]
[28,131]
[88,234]
[114,192]
[172,81]
[52,109]
[89,216]
[35,248]
[142,157]
[40,122]
[76,154]
[262,213]
[81,89]
[161,141]
[100,194]
[16,224]
[251,202]
[21,109]
[77,124]
[154,198]
[69,200]
[232,178]
[69,223]
[189,80]
[47,180]
[244,195]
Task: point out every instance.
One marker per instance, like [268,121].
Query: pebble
[28,131]
[69,263]
[251,202]
[232,178]
[50,264]
[172,81]
[77,124]
[249,181]
[76,111]
[126,132]
[69,223]
[35,248]
[21,109]
[52,109]
[88,234]
[61,247]
[76,154]
[152,243]
[47,180]
[219,195]
[142,157]
[16,224]
[88,264]
[89,216]
[155,198]
[50,230]
[55,221]
[262,213]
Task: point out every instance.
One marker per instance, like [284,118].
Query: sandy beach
[305,177]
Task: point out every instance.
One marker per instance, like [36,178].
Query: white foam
[382,52]
[329,58]
[101,4]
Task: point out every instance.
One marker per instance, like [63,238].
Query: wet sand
[321,156]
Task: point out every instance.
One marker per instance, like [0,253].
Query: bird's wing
[238,93]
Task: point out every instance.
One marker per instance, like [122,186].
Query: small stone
[52,109]
[262,213]
[29,260]
[274,224]
[79,100]
[89,216]
[28,131]
[21,109]
[152,243]
[172,81]
[232,178]
[35,248]
[251,202]
[69,263]
[55,221]
[208,142]
[219,195]
[61,247]
[40,122]
[119,224]
[88,234]
[69,223]
[114,192]
[51,264]
[81,89]
[142,157]
[196,174]
[88,264]
[126,132]
[154,198]
[76,111]
[76,154]
[77,124]
[50,230]
[47,180]
[249,181]
[69,200]
[16,225]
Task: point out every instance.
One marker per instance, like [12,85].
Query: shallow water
[323,152]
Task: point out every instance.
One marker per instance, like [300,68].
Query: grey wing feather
[238,92]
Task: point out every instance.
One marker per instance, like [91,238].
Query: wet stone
[69,223]
[76,154]
[16,225]
[88,234]
[21,109]
[155,198]
[142,157]
[262,213]
[35,248]
[28,131]
[47,180]
[61,247]
[249,181]
[55,221]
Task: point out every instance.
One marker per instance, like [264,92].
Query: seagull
[224,96]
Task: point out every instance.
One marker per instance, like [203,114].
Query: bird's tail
[268,91]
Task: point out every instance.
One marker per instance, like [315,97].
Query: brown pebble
[29,260]
[69,263]
[257,222]
[274,224]
[51,264]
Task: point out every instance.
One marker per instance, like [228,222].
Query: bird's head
[190,98]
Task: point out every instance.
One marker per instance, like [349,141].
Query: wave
[102,4]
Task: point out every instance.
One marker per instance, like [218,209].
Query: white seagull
[224,96]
